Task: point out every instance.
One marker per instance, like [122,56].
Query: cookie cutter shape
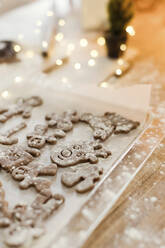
[85,178]
[28,221]
[14,157]
[29,176]
[102,126]
[79,153]
[63,122]
[21,107]
[38,138]
[4,212]
[121,124]
[5,139]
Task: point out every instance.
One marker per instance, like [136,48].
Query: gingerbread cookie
[38,138]
[14,157]
[29,176]
[21,107]
[102,127]
[27,221]
[5,139]
[84,178]
[79,153]
[4,212]
[63,122]
[121,124]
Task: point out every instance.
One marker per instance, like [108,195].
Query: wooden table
[138,218]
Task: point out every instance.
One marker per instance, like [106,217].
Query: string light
[130,30]
[61,22]
[18,79]
[83,42]
[94,53]
[118,72]
[39,23]
[123,47]
[17,48]
[5,94]
[103,84]
[77,66]
[91,62]
[64,80]
[59,37]
[59,62]
[44,44]
[29,54]
[49,13]
[120,61]
[101,41]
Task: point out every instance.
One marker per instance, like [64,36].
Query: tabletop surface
[137,219]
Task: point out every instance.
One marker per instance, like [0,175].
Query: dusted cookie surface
[79,153]
[84,178]
[29,176]
[21,107]
[102,127]
[64,121]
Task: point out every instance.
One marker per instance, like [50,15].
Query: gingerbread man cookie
[21,107]
[63,122]
[79,153]
[84,178]
[38,138]
[29,176]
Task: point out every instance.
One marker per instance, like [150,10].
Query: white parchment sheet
[96,101]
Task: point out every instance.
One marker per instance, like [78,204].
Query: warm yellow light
[59,37]
[120,61]
[61,22]
[130,30]
[5,94]
[20,36]
[29,54]
[17,48]
[94,53]
[123,47]
[49,13]
[64,80]
[83,42]
[101,41]
[44,44]
[91,62]
[118,72]
[18,79]
[77,66]
[59,62]
[39,23]
[103,84]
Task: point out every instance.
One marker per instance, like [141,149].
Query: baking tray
[72,224]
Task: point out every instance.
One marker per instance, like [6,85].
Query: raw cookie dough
[21,107]
[62,122]
[84,178]
[79,153]
[5,139]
